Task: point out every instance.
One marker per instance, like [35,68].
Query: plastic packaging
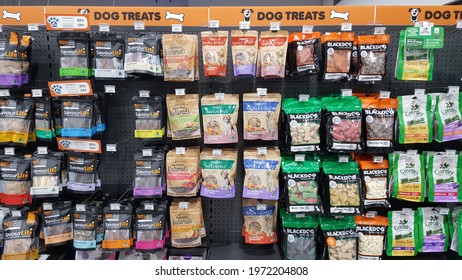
[82,169]
[415,119]
[108,58]
[273,51]
[300,236]
[117,227]
[261,116]
[219,172]
[304,53]
[341,237]
[149,172]
[180,62]
[433,230]
[372,50]
[214,53]
[409,177]
[259,221]
[183,116]
[375,183]
[244,47]
[337,49]
[57,223]
[15,117]
[448,123]
[20,232]
[371,233]
[148,118]
[15,175]
[74,55]
[219,118]
[142,54]
[444,178]
[402,233]
[78,117]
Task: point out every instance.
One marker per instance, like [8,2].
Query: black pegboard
[223,217]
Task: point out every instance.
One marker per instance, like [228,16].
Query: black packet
[74,56]
[81,168]
[57,222]
[108,56]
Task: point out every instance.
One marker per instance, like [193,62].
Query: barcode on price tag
[9,151]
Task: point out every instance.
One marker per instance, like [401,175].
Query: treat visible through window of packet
[15,118]
[415,119]
[179,51]
[74,55]
[260,217]
[150,222]
[337,49]
[57,223]
[433,230]
[46,171]
[273,49]
[371,234]
[444,178]
[43,119]
[197,203]
[261,116]
[341,237]
[183,172]
[375,183]
[300,236]
[183,116]
[448,114]
[78,117]
[14,59]
[261,173]
[413,64]
[15,174]
[185,224]
[85,220]
[402,233]
[304,53]
[109,51]
[148,174]
[21,241]
[244,46]
[409,177]
[82,170]
[117,227]
[143,54]
[218,172]
[148,118]
[219,117]
[215,52]
[372,50]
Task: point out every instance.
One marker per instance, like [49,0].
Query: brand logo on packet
[371,229]
[340,44]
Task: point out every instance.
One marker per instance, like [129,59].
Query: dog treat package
[301,183]
[218,168]
[354,67]
[108,57]
[15,50]
[415,119]
[117,227]
[372,51]
[371,231]
[74,55]
[183,172]
[304,53]
[260,221]
[244,47]
[343,116]
[46,172]
[214,53]
[453,225]
[15,175]
[85,220]
[78,117]
[148,174]
[433,230]
[448,123]
[3,212]
[303,121]
[149,226]
[20,236]
[337,49]
[179,52]
[194,202]
[273,49]
[56,116]
[148,118]
[413,63]
[142,55]
[57,224]
[374,174]
[185,222]
[15,117]
[409,177]
[300,236]
[43,119]
[261,173]
[100,112]
[344,187]
[444,177]
[261,116]
[219,118]
[81,172]
[379,115]
[341,237]
[183,116]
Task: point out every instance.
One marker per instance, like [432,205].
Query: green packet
[409,177]
[424,38]
[433,230]
[448,119]
[300,236]
[413,64]
[444,177]
[341,237]
[402,233]
[415,119]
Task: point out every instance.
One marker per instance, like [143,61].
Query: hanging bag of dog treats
[219,118]
[300,236]
[409,177]
[183,116]
[244,47]
[343,116]
[43,119]
[197,203]
[57,223]
[337,49]
[448,117]
[15,175]
[20,233]
[218,168]
[261,173]
[74,55]
[433,229]
[261,116]
[148,118]
[371,231]
[260,218]
[108,57]
[273,49]
[148,174]
[117,227]
[444,177]
[143,54]
[46,172]
[185,221]
[78,117]
[10,70]
[415,119]
[303,121]
[183,171]
[82,169]
[341,237]
[85,220]
[304,53]
[372,51]
[374,173]
[453,227]
[214,53]
[179,52]
[301,181]
[15,117]
[149,223]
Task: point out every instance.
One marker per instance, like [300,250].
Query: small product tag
[109,89]
[104,27]
[261,207]
[9,151]
[419,91]
[346,26]
[406,211]
[371,214]
[1,27]
[262,150]
[347,92]
[149,206]
[379,30]
[47,206]
[275,26]
[180,150]
[183,204]
[343,158]
[37,92]
[139,25]
[303,97]
[443,210]
[32,27]
[459,24]
[42,150]
[4,92]
[16,213]
[450,152]
[111,147]
[144,93]
[214,24]
[217,152]
[177,28]
[300,215]
[453,89]
[377,159]
[180,91]
[299,157]
[147,152]
[384,94]
[244,25]
[114,206]
[80,207]
[262,91]
[219,95]
[307,28]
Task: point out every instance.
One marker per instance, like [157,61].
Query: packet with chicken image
[194,202]
[183,171]
[244,47]
[261,116]
[215,52]
[183,116]
[259,221]
[219,117]
[218,168]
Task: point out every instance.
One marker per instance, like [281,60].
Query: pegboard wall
[223,217]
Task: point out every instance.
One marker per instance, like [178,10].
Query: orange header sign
[293,15]
[15,15]
[408,15]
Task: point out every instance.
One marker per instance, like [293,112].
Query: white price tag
[217,152]
[16,213]
[450,152]
[147,152]
[145,93]
[380,30]
[214,23]
[377,159]
[219,95]
[261,207]
[347,92]
[244,25]
[307,28]
[384,94]
[406,211]
[275,26]
[149,206]
[459,24]
[183,204]
[104,27]
[37,93]
[9,151]
[343,159]
[32,27]
[177,27]
[419,91]
[80,207]
[4,92]
[42,150]
[47,206]
[303,97]
[299,157]
[180,91]
[300,215]
[180,150]
[262,91]
[111,147]
[453,89]
[1,27]
[114,206]
[411,152]
[346,26]
[139,25]
[371,214]
[262,150]
[109,88]
[443,210]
